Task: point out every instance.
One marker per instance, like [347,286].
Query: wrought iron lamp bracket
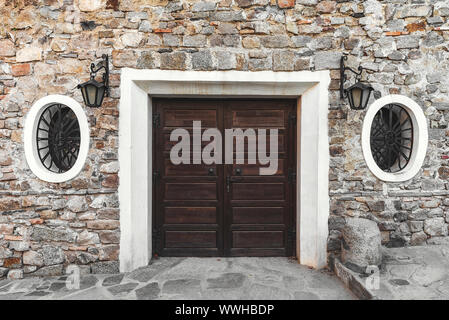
[95,68]
[343,76]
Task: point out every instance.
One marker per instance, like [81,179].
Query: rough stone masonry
[46,47]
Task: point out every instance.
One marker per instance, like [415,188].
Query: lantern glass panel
[91,94]
[100,95]
[366,96]
[84,93]
[356,97]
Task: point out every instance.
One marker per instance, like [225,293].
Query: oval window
[56,138]
[394,138]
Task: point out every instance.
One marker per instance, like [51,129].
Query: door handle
[230,180]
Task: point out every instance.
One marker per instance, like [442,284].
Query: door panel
[258,239]
[188,202]
[259,209]
[254,118]
[224,209]
[191,191]
[187,170]
[168,145]
[191,239]
[257,215]
[179,116]
[253,169]
[191,215]
[258,191]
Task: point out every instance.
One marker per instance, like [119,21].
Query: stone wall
[46,47]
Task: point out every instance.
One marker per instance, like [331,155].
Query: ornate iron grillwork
[58,138]
[392,138]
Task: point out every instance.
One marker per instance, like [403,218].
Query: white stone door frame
[135,148]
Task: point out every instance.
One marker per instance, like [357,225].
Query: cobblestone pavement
[191,278]
[415,273]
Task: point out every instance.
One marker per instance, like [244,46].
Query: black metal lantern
[93,91]
[358,94]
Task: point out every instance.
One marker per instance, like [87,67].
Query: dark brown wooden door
[188,198]
[223,210]
[259,209]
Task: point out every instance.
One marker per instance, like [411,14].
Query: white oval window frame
[30,142]
[420,138]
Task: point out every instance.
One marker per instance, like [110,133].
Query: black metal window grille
[58,138]
[392,138]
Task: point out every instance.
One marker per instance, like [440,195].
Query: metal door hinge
[292,119]
[291,236]
[291,175]
[156,176]
[156,120]
[156,240]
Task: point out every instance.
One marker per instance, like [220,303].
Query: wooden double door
[225,210]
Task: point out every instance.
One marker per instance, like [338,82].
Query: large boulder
[361,245]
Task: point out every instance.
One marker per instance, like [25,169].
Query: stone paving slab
[191,278]
[415,273]
[412,273]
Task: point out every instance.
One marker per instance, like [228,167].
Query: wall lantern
[357,94]
[93,91]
